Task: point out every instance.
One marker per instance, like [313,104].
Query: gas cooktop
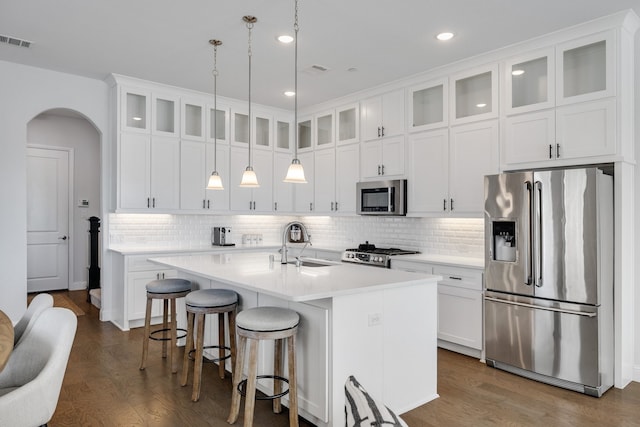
[368,254]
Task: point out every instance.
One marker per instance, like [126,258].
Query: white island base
[376,324]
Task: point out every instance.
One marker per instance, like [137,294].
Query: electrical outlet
[375,319]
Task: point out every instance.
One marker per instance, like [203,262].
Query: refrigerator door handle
[537,221]
[558,310]
[529,258]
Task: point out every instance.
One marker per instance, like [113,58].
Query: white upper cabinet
[262,130]
[382,116]
[586,68]
[347,175]
[251,199]
[283,134]
[165,117]
[475,95]
[382,159]
[428,105]
[217,123]
[428,184]
[530,82]
[135,110]
[193,120]
[197,161]
[240,127]
[282,191]
[348,124]
[325,184]
[325,129]
[304,193]
[305,134]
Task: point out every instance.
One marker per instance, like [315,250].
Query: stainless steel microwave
[382,197]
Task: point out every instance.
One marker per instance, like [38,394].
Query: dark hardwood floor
[103,387]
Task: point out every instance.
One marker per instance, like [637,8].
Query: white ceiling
[167,40]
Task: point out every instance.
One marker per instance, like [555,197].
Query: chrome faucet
[289,228]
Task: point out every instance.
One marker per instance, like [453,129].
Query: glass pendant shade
[295,173]
[249,179]
[215,182]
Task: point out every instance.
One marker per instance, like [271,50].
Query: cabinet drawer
[460,277]
[412,266]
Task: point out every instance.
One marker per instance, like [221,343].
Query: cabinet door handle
[557,151]
[451,205]
[208,204]
[382,170]
[249,204]
[310,206]
[550,151]
[332,206]
[204,203]
[154,202]
[275,206]
[378,169]
[382,130]
[148,202]
[158,276]
[254,205]
[379,132]
[336,206]
[444,204]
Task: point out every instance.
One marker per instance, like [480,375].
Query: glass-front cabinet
[305,134]
[193,120]
[325,130]
[240,128]
[283,130]
[262,130]
[217,123]
[586,68]
[135,110]
[428,106]
[530,82]
[165,118]
[475,95]
[348,124]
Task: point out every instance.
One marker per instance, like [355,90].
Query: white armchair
[39,303]
[30,382]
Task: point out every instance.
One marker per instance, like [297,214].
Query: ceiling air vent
[14,41]
[315,69]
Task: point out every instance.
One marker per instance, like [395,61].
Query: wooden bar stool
[166,290]
[199,303]
[265,323]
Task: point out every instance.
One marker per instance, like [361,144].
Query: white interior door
[47,219]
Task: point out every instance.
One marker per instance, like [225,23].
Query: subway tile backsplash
[444,236]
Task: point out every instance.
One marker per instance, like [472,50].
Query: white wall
[25,92]
[52,129]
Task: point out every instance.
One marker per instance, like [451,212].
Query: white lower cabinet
[460,305]
[130,300]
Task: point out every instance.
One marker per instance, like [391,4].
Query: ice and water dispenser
[504,241]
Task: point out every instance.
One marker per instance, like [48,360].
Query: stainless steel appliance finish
[367,254]
[549,276]
[382,197]
[221,236]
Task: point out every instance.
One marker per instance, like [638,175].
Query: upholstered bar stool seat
[253,325]
[199,303]
[167,290]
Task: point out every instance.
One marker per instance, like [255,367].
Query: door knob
[62,238]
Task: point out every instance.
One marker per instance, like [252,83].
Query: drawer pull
[455,278]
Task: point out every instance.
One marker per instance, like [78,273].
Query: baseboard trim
[78,286]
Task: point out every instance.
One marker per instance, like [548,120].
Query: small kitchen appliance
[382,197]
[221,236]
[549,276]
[368,254]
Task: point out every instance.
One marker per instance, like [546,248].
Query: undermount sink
[314,262]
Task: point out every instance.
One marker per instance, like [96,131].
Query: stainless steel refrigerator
[549,276]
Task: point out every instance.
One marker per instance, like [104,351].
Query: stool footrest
[206,359]
[243,385]
[151,335]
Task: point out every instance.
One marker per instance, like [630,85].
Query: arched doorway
[55,134]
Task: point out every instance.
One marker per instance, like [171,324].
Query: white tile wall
[445,236]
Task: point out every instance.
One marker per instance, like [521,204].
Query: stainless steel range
[368,254]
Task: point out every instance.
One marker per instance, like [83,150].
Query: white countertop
[169,249]
[252,270]
[452,260]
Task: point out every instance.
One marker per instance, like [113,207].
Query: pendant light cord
[296,27]
[249,26]
[215,107]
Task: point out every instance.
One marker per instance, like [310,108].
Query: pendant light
[249,178]
[295,173]
[215,181]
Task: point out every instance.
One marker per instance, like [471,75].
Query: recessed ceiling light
[285,39]
[444,36]
[517,72]
[289,93]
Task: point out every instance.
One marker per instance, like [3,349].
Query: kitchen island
[374,323]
